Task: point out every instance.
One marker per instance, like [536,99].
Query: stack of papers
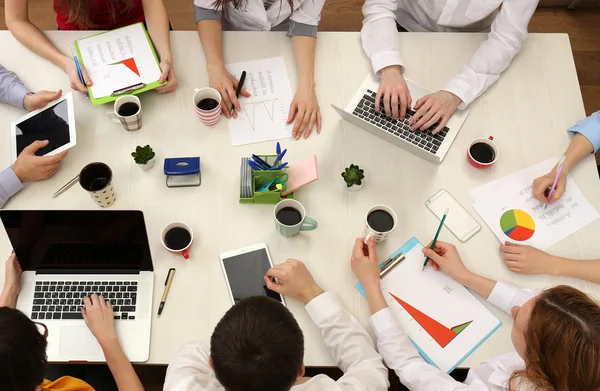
[507,206]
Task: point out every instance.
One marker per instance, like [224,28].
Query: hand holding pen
[78,75]
[556,179]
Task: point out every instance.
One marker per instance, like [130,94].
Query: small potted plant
[353,176]
[144,157]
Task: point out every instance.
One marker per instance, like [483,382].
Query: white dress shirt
[415,373]
[254,17]
[347,340]
[508,30]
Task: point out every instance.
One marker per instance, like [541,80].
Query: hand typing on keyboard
[432,108]
[394,92]
[99,317]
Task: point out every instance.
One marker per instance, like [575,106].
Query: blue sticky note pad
[407,247]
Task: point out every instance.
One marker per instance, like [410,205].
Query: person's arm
[12,90]
[189,369]
[17,21]
[208,23]
[586,140]
[158,28]
[529,260]
[304,110]
[347,341]
[12,282]
[380,42]
[9,185]
[99,318]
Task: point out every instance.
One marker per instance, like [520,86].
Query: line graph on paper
[264,113]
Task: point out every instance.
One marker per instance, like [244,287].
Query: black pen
[239,89]
[168,282]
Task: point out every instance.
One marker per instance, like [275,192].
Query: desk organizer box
[258,179]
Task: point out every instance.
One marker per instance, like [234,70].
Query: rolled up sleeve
[297,29]
[305,19]
[206,14]
[379,34]
[589,128]
[12,90]
[505,296]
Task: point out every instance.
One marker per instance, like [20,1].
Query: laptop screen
[54,241]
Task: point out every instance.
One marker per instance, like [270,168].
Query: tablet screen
[52,124]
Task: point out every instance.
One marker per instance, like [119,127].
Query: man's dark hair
[257,346]
[23,358]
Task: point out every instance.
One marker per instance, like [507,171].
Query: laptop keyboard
[64,299]
[424,139]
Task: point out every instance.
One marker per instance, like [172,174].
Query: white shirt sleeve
[189,370]
[309,12]
[495,54]
[505,296]
[349,344]
[379,34]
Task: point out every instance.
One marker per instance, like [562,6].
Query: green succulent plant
[143,155]
[353,175]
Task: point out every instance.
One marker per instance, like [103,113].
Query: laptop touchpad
[78,342]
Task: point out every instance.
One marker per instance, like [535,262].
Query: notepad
[442,318]
[118,59]
[301,174]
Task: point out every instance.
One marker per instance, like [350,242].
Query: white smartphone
[458,221]
[244,270]
[55,123]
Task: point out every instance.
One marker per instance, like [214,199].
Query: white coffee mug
[304,224]
[371,232]
[177,224]
[129,122]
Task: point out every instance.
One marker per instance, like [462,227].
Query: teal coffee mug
[290,218]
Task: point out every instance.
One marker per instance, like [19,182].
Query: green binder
[110,98]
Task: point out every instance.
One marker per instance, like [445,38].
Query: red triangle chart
[129,63]
[440,333]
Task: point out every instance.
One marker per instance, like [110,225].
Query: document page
[264,114]
[118,59]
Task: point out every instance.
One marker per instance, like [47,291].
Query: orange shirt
[66,383]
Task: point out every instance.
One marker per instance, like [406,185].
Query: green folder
[110,98]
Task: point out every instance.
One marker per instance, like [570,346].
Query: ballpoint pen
[280,156]
[79,72]
[279,167]
[561,163]
[66,187]
[168,283]
[239,89]
[436,237]
[261,162]
[254,166]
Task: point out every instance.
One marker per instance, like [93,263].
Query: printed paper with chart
[264,114]
[441,317]
[509,209]
[118,59]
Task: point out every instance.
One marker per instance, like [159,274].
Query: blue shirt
[590,128]
[12,91]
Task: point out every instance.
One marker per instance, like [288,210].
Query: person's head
[257,346]
[78,12]
[22,352]
[558,336]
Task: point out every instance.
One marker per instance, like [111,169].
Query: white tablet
[244,271]
[55,123]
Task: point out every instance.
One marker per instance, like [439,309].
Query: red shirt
[100,15]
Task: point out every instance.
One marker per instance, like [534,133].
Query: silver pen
[66,187]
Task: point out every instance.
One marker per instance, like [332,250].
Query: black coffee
[289,216]
[128,109]
[177,238]
[207,104]
[380,221]
[98,183]
[482,152]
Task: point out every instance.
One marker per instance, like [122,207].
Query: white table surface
[527,111]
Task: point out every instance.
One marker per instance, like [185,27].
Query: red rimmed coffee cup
[483,152]
[175,240]
[204,104]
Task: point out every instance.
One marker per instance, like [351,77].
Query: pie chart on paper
[517,225]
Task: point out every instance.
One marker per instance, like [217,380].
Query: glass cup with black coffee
[290,218]
[482,152]
[207,105]
[379,223]
[177,238]
[128,112]
[96,179]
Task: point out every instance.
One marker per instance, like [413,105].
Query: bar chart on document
[264,113]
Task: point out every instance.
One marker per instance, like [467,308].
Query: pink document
[301,174]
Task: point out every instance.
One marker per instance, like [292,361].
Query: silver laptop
[360,111]
[66,255]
